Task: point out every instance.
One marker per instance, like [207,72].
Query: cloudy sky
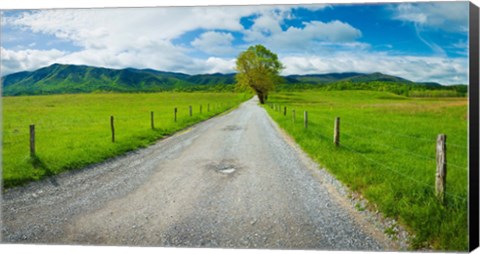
[417,41]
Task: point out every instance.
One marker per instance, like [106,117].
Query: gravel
[235,181]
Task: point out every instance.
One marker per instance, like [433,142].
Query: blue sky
[417,41]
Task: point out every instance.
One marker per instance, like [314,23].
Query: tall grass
[73,131]
[387,153]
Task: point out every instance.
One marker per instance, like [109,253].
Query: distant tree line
[411,90]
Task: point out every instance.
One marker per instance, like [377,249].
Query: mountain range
[61,78]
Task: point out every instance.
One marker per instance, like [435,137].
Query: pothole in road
[226,169]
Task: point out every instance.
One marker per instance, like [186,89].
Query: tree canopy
[258,68]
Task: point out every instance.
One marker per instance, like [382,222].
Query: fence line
[326,138]
[403,151]
[142,116]
[398,172]
[455,145]
[328,119]
[395,122]
[438,192]
[113,119]
[403,135]
[317,135]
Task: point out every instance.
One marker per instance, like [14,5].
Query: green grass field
[73,131]
[387,154]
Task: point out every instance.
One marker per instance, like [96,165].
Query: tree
[258,68]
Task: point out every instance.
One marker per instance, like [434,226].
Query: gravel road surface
[234,181]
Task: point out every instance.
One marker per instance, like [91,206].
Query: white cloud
[121,27]
[215,43]
[416,68]
[314,7]
[220,65]
[334,32]
[448,16]
[27,60]
[267,29]
[127,28]
[266,24]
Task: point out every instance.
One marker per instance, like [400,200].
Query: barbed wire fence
[146,118]
[337,132]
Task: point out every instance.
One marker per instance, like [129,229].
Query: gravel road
[234,181]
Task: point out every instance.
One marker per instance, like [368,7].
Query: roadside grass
[387,153]
[73,131]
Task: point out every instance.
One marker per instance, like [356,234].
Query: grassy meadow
[387,153]
[73,131]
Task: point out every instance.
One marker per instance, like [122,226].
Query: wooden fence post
[112,125]
[305,119]
[175,114]
[32,140]
[441,174]
[284,111]
[152,121]
[336,132]
[293,115]
[190,110]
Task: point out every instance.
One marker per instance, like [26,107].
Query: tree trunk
[266,96]
[261,97]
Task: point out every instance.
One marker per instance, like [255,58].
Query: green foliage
[407,88]
[258,68]
[73,131]
[387,153]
